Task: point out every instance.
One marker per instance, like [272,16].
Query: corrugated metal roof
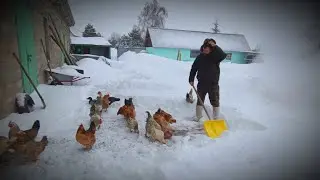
[174,38]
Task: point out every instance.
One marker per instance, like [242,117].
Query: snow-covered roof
[98,41]
[174,38]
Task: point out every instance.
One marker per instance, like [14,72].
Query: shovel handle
[205,109]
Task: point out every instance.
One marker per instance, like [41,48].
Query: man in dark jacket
[207,68]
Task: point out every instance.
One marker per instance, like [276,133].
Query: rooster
[152,132]
[189,97]
[28,135]
[87,138]
[96,118]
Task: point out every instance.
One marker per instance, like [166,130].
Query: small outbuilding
[91,45]
[184,45]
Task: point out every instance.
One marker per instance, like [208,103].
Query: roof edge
[185,30]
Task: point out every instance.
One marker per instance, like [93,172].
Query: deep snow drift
[268,136]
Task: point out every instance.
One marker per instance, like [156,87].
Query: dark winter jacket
[207,67]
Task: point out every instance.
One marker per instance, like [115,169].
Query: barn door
[26,44]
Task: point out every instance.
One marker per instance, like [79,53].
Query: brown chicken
[87,138]
[5,143]
[167,116]
[165,126]
[127,110]
[105,102]
[31,149]
[28,135]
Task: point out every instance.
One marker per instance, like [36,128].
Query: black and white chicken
[24,103]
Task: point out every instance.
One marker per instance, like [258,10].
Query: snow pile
[98,71]
[127,56]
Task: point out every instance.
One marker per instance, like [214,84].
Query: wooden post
[30,80]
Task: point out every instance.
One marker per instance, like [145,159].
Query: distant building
[183,45]
[90,45]
[23,25]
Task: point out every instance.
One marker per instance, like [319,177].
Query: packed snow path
[155,82]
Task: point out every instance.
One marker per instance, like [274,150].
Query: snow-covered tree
[125,41]
[90,31]
[114,40]
[135,37]
[216,28]
[152,15]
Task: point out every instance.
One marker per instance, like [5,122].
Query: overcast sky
[256,19]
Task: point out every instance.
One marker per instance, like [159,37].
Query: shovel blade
[214,128]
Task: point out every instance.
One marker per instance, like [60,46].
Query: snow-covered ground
[271,121]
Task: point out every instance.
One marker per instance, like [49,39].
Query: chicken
[96,118]
[152,132]
[91,101]
[105,102]
[167,116]
[189,97]
[87,138]
[28,135]
[132,124]
[31,149]
[5,143]
[165,126]
[128,101]
[127,110]
[98,103]
[113,99]
[95,109]
[24,103]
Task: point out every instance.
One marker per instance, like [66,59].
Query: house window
[229,56]
[194,53]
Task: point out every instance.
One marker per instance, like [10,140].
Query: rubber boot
[198,112]
[216,112]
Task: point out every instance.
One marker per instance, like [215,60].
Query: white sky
[258,21]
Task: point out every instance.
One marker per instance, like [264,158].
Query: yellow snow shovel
[213,128]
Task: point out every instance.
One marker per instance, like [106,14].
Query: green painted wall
[172,53]
[238,57]
[26,44]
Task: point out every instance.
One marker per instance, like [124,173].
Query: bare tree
[216,28]
[152,15]
[114,40]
